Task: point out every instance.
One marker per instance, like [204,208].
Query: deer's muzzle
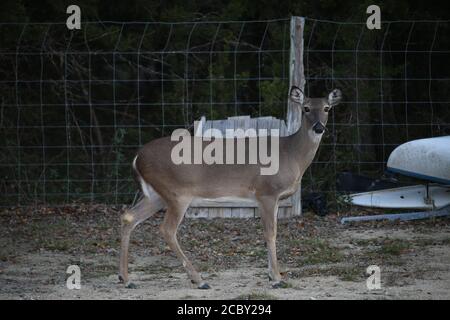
[318,128]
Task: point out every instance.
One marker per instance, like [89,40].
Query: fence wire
[76,105]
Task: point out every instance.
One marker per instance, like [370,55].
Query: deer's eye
[306,109]
[326,109]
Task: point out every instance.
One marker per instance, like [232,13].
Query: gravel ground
[321,259]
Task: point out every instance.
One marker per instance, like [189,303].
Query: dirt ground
[321,258]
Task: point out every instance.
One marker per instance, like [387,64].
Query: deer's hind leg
[172,219]
[144,209]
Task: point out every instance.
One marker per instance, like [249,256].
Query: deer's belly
[222,191]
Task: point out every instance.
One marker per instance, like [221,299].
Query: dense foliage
[75,105]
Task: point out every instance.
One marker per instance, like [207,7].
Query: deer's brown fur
[171,186]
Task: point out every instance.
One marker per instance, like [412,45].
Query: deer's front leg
[268,207]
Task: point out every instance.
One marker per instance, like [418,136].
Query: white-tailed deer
[166,185]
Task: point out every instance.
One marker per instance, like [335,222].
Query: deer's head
[315,111]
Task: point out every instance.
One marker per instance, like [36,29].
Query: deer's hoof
[280,285]
[203,286]
[131,285]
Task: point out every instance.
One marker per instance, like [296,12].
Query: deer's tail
[151,201]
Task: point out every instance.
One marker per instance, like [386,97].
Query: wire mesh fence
[396,89]
[76,105]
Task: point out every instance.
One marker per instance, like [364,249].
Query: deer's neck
[304,144]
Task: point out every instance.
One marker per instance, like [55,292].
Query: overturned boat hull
[411,197]
[427,159]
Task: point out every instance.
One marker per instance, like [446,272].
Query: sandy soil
[321,258]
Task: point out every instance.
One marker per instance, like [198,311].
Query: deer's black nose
[319,128]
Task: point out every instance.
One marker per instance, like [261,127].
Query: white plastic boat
[427,159]
[411,197]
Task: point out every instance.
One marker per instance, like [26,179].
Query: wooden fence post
[296,78]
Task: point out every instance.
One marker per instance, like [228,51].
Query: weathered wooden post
[243,208]
[296,78]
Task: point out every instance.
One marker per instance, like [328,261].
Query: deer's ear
[296,95]
[334,97]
